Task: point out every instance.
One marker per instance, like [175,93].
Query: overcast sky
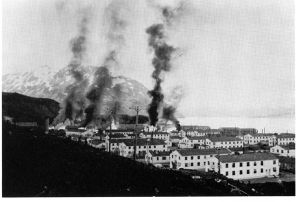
[236,56]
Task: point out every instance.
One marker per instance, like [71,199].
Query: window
[262,163]
[282,151]
[198,164]
[254,163]
[192,157]
[248,163]
[233,165]
[226,173]
[154,146]
[204,163]
[207,162]
[192,164]
[233,172]
[186,165]
[241,172]
[164,158]
[274,162]
[204,157]
[241,164]
[226,165]
[211,155]
[277,150]
[185,158]
[145,147]
[261,170]
[248,171]
[254,171]
[198,157]
[179,157]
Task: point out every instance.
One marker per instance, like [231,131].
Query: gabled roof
[246,157]
[144,142]
[175,137]
[197,138]
[195,152]
[288,147]
[262,134]
[286,135]
[224,139]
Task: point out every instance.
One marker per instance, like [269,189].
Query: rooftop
[288,147]
[197,138]
[140,141]
[262,134]
[247,157]
[286,135]
[224,139]
[194,152]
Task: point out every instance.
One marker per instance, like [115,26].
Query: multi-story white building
[185,142]
[224,142]
[284,150]
[285,138]
[193,133]
[155,135]
[198,159]
[266,138]
[247,166]
[126,148]
[158,158]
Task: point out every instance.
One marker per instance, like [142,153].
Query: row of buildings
[193,150]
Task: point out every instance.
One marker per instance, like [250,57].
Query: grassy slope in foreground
[31,162]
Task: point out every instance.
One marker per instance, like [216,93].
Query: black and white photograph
[148,98]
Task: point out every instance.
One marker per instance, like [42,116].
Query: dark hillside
[40,165]
[25,108]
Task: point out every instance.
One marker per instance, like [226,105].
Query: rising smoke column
[102,81]
[162,63]
[103,77]
[75,101]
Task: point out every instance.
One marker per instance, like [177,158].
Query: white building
[193,133]
[266,138]
[285,138]
[248,166]
[155,135]
[284,150]
[126,148]
[158,158]
[198,159]
[224,142]
[185,143]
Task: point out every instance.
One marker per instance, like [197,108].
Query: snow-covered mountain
[45,83]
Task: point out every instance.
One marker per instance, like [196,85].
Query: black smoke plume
[102,81]
[161,62]
[169,114]
[75,101]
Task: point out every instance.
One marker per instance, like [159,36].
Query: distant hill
[47,83]
[25,108]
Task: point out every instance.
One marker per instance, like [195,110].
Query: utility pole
[110,122]
[137,109]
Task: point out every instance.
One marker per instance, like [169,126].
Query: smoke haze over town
[232,61]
